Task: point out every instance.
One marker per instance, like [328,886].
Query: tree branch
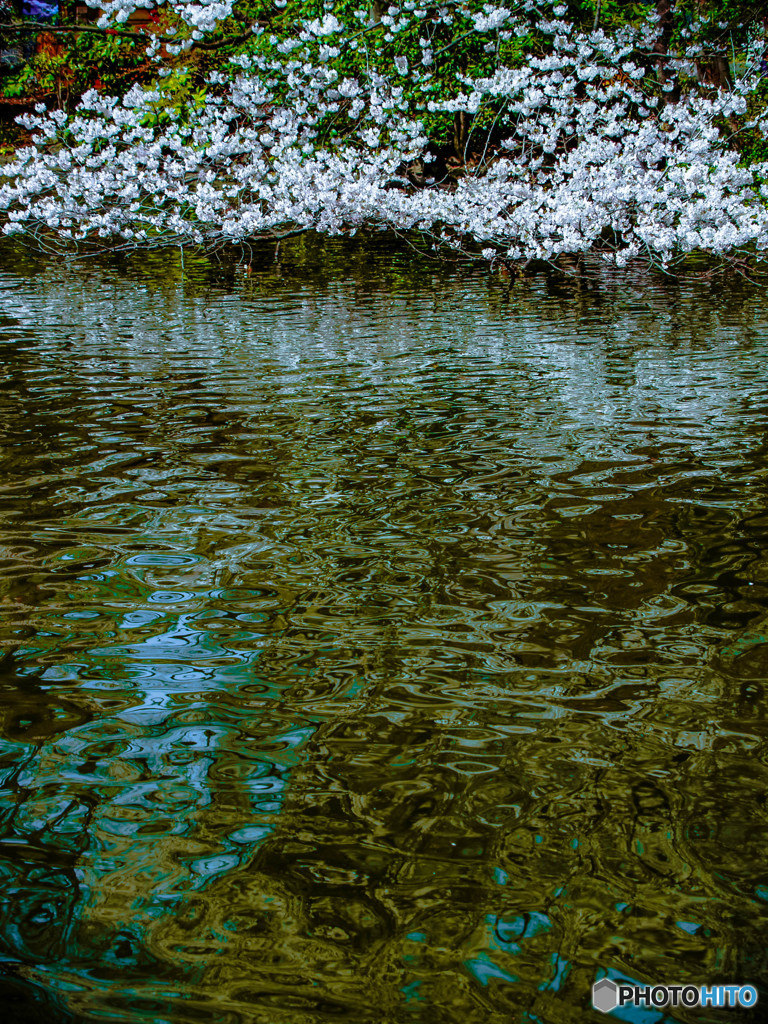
[42,26]
[362,32]
[218,44]
[139,32]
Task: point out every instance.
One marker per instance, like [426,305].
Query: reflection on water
[378,645]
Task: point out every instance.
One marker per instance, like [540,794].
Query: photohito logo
[607,995]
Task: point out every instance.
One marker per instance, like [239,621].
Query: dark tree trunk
[714,71]
[666,16]
[461,123]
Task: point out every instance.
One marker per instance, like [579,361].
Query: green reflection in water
[380,644]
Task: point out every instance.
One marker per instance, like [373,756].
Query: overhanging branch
[138,33]
[42,26]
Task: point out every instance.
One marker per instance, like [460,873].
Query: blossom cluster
[202,16]
[590,154]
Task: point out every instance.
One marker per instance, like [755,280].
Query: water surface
[380,643]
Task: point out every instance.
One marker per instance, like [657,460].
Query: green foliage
[609,13]
[458,50]
[65,69]
[751,143]
[22,83]
[113,63]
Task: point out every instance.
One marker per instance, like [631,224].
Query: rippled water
[381,642]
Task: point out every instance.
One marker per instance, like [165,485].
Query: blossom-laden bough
[575,143]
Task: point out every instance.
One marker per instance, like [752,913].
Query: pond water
[380,642]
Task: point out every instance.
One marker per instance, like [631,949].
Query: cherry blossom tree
[566,133]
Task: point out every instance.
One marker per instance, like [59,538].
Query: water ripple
[377,637]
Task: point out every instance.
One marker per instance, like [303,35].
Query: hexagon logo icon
[604,995]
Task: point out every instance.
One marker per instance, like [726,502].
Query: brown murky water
[380,645]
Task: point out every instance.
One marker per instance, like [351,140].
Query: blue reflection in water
[688,926]
[503,936]
[411,992]
[150,838]
[560,971]
[483,968]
